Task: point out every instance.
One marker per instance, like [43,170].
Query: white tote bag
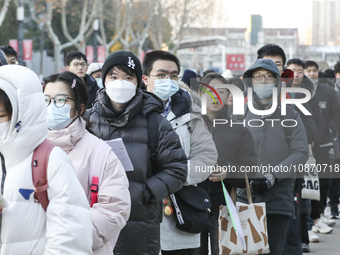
[253,221]
[311,186]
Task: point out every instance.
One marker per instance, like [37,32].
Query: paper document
[119,149]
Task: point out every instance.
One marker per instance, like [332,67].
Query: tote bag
[253,222]
[311,186]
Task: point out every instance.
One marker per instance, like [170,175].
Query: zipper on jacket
[3,173]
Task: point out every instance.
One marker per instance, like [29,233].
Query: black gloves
[262,185]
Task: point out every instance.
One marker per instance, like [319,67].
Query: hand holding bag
[254,226]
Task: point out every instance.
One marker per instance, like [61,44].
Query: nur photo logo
[239,102]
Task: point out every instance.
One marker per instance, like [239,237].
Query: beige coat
[112,211]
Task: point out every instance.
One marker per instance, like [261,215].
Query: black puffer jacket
[92,89]
[141,234]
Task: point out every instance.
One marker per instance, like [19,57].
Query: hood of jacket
[28,124]
[268,65]
[143,102]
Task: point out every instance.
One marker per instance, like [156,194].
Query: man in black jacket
[76,62]
[121,111]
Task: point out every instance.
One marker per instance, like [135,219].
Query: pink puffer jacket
[110,213]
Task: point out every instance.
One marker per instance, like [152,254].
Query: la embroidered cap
[124,58]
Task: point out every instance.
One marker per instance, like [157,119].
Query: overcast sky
[275,14]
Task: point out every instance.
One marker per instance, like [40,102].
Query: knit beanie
[125,58]
[189,76]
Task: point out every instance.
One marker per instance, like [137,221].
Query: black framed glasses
[59,100]
[265,76]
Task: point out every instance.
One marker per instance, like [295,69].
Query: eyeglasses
[174,77]
[59,100]
[265,76]
[77,64]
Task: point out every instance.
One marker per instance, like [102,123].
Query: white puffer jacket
[65,228]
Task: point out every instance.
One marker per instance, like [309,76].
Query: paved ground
[329,243]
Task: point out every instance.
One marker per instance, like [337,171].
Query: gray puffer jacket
[276,146]
[147,189]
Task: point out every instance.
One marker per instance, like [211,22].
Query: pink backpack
[39,170]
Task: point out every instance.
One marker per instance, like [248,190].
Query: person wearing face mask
[121,111]
[66,98]
[161,69]
[95,70]
[275,146]
[65,227]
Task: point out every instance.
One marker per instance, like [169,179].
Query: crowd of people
[101,203]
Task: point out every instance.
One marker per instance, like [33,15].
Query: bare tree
[87,15]
[129,23]
[115,22]
[181,14]
[3,11]
[139,15]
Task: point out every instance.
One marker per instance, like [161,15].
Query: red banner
[27,48]
[90,54]
[14,43]
[101,54]
[236,62]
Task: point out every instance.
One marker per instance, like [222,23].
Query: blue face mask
[165,88]
[58,118]
[99,82]
[264,90]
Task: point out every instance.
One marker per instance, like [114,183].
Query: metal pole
[20,18]
[95,42]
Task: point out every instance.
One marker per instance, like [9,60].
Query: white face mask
[264,90]
[120,91]
[4,127]
[59,117]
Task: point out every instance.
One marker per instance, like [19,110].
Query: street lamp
[95,42]
[20,19]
